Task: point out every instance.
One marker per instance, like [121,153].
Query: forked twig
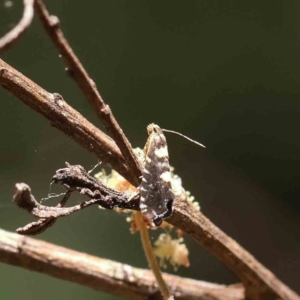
[251,272]
[88,88]
[42,224]
[73,178]
[9,38]
[259,283]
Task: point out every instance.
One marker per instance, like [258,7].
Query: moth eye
[169,204]
[157,221]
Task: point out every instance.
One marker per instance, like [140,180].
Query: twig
[151,257]
[102,274]
[64,117]
[57,103]
[73,178]
[24,199]
[42,224]
[259,282]
[9,38]
[88,88]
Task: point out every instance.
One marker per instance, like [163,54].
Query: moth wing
[156,190]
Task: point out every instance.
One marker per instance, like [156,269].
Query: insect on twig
[156,191]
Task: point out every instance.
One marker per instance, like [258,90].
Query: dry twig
[64,117]
[259,282]
[146,242]
[102,274]
[43,223]
[89,89]
[73,178]
[12,36]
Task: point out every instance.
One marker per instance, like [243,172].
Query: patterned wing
[156,190]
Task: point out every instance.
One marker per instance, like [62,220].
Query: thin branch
[151,257]
[88,88]
[259,282]
[24,199]
[102,274]
[73,178]
[59,103]
[64,117]
[42,224]
[12,36]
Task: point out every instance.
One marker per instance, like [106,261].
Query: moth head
[153,128]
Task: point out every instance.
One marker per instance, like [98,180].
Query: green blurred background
[226,73]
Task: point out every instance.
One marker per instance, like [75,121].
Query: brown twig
[88,88]
[153,264]
[102,274]
[42,224]
[9,38]
[24,199]
[252,273]
[64,117]
[259,282]
[74,178]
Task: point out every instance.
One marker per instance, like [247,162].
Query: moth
[156,195]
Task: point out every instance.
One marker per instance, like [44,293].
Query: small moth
[156,191]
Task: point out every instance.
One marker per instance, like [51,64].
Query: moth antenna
[184,136]
[50,186]
[98,164]
[51,195]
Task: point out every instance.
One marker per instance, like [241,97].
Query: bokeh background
[226,73]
